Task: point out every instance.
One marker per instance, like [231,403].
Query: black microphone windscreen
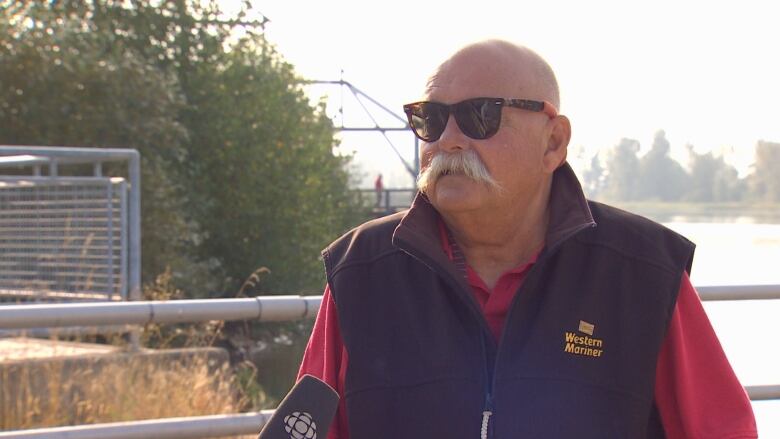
[305,413]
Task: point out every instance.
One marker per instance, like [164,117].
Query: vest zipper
[487,411]
[486,414]
[543,257]
[471,302]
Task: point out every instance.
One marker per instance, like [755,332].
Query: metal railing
[262,308]
[57,315]
[169,428]
[63,238]
[268,308]
[69,238]
[387,201]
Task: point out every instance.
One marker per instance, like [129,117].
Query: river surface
[742,251]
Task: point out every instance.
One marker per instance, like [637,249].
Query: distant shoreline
[748,212]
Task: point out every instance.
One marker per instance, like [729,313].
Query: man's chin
[450,197]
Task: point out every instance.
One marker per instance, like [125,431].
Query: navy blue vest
[578,352]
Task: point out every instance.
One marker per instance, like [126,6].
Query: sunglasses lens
[478,118]
[427,119]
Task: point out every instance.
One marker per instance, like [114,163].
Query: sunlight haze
[705,72]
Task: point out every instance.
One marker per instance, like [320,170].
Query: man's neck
[498,241]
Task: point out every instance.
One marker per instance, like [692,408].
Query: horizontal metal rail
[73,243]
[82,201]
[49,263]
[266,308]
[54,294]
[738,292]
[78,284]
[211,426]
[71,154]
[167,428]
[59,255]
[33,275]
[763,393]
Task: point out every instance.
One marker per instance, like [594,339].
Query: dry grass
[54,393]
[120,386]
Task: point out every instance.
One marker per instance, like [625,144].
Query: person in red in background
[379,188]
[503,303]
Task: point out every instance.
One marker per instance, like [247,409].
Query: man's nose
[452,138]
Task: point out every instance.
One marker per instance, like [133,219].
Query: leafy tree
[765,180]
[265,183]
[712,179]
[238,171]
[661,177]
[63,85]
[593,179]
[622,180]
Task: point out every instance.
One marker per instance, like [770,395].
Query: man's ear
[558,136]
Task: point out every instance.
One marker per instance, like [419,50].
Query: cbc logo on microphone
[300,426]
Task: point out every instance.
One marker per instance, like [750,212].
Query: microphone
[305,413]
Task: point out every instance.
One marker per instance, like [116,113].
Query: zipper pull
[483,433]
[486,414]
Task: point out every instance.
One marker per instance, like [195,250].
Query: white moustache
[465,163]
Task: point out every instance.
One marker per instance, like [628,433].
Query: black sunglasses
[478,118]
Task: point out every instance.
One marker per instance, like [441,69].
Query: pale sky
[705,72]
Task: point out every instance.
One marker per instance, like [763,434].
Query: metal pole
[166,428]
[57,315]
[134,170]
[134,232]
[763,393]
[123,231]
[738,292]
[263,308]
[110,237]
[357,93]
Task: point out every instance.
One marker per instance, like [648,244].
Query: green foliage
[661,178]
[622,179]
[593,178]
[264,179]
[656,177]
[765,181]
[712,179]
[62,84]
[238,169]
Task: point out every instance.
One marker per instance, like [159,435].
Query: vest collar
[569,213]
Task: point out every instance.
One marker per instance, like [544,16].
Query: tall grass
[125,386]
[54,393]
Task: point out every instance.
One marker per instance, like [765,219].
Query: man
[379,187]
[503,304]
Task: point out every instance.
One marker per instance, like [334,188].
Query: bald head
[501,69]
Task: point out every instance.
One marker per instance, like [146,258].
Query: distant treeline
[622,175]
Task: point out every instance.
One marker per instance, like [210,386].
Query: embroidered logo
[299,425]
[583,345]
[586,327]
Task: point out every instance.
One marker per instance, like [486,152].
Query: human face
[513,156]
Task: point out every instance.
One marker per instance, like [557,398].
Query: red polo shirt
[696,392]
